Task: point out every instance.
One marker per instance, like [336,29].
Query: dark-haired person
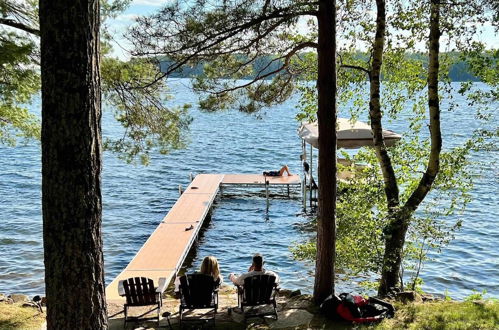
[256,268]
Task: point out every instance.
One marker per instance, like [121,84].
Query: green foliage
[19,81]
[137,104]
[476,295]
[148,124]
[444,315]
[231,41]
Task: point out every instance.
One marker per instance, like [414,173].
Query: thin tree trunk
[326,115]
[396,240]
[71,165]
[390,180]
[391,188]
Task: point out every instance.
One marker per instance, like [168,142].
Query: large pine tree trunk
[395,239]
[71,164]
[326,115]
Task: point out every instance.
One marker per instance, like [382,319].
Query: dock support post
[191,177]
[267,193]
[180,190]
[288,189]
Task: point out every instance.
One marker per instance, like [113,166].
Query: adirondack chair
[139,292]
[258,290]
[198,291]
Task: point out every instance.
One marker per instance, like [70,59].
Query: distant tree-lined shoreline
[458,71]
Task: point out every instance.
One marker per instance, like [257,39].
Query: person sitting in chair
[209,266]
[256,268]
[283,169]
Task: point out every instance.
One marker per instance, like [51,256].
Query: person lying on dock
[283,169]
[256,268]
[209,266]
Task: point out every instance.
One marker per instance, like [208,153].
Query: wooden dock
[165,250]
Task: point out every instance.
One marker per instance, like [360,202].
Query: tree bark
[71,165]
[395,239]
[390,180]
[326,115]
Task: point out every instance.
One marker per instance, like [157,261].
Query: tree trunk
[390,180]
[326,115]
[71,165]
[396,238]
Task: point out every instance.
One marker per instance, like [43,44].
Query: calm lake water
[136,198]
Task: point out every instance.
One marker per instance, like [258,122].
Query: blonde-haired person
[209,266]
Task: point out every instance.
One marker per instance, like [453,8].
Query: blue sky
[144,7]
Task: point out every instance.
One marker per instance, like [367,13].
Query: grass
[445,315]
[13,316]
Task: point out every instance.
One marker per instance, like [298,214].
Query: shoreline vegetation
[296,311]
[458,71]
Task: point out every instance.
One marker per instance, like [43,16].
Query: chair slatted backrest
[140,291]
[197,290]
[258,289]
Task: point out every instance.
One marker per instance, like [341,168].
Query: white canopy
[350,135]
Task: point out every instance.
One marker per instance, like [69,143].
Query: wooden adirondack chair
[140,291]
[258,290]
[198,291]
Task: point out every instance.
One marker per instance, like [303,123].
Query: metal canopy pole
[311,171]
[304,181]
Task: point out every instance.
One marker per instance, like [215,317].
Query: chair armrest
[162,284]
[121,288]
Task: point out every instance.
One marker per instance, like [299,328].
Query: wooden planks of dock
[165,250]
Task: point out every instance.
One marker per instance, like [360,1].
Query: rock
[295,293]
[408,296]
[481,302]
[299,302]
[429,298]
[19,298]
[292,318]
[284,293]
[44,301]
[2,297]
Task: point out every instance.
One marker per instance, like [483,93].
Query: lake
[136,198]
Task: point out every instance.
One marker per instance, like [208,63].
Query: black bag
[329,306]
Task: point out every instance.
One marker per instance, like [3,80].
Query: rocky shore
[295,311]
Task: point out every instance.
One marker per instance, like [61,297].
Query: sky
[118,26]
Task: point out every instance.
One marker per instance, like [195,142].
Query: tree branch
[356,68]
[20,26]
[287,59]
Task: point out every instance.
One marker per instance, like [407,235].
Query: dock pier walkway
[165,250]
